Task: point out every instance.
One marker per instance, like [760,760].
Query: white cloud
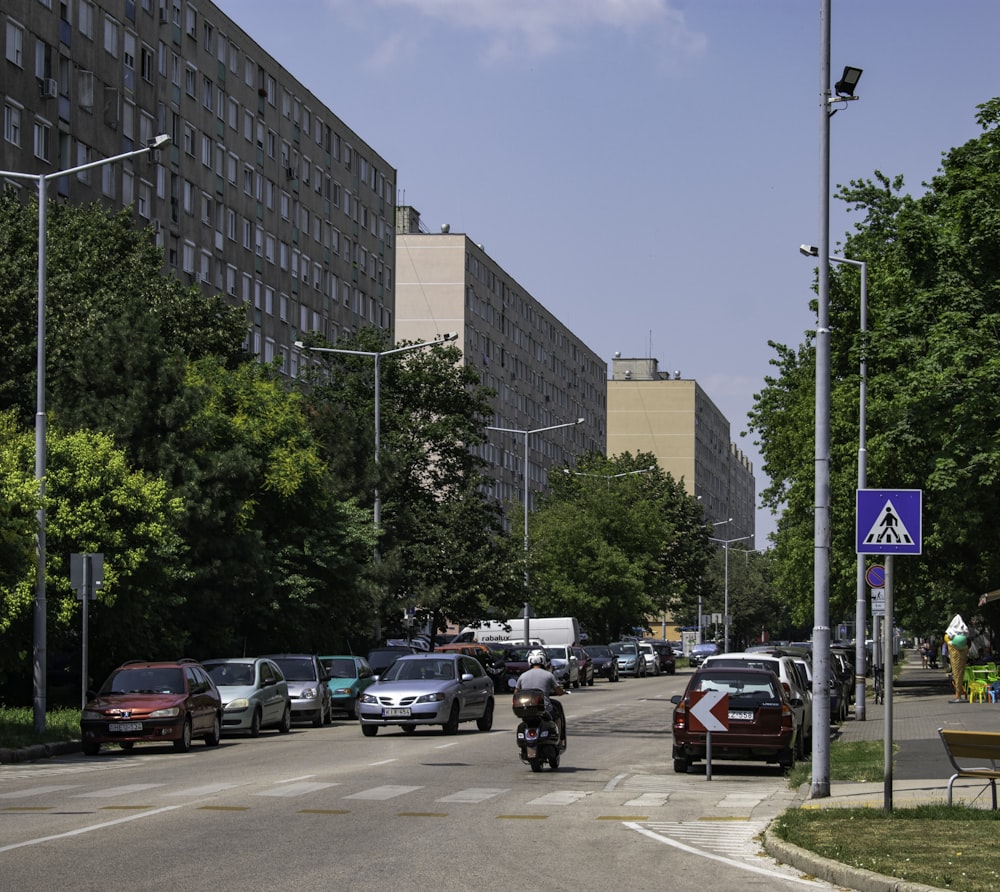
[545,27]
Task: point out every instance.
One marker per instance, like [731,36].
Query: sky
[646,169]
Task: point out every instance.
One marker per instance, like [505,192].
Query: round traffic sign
[875,576]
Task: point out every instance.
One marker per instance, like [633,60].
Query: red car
[144,702]
[761,720]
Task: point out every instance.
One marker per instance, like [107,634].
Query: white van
[546,629]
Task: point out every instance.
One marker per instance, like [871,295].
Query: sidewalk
[920,705]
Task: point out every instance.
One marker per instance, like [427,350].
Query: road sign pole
[708,755]
[887,643]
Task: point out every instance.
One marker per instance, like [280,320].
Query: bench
[983,746]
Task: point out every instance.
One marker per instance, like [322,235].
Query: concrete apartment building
[543,374]
[674,419]
[263,194]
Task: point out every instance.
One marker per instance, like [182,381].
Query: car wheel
[90,748]
[328,716]
[215,735]
[352,709]
[787,759]
[681,766]
[286,720]
[486,722]
[127,745]
[255,724]
[369,730]
[184,743]
[408,729]
[317,721]
[451,726]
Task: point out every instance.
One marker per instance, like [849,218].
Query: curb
[835,872]
[38,751]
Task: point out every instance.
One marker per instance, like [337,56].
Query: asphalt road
[327,808]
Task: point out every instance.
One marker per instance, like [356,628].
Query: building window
[146,63]
[12,124]
[15,44]
[144,199]
[111,29]
[207,92]
[85,19]
[190,79]
[108,180]
[41,140]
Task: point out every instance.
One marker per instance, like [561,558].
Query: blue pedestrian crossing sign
[889,521]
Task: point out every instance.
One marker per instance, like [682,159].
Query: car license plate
[742,715]
[124,727]
[396,712]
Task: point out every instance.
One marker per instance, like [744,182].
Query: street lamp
[860,612]
[725,543]
[717,523]
[609,477]
[526,434]
[821,534]
[40,608]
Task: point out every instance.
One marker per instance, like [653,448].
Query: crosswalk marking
[473,795]
[559,797]
[383,793]
[37,791]
[111,792]
[206,790]
[289,789]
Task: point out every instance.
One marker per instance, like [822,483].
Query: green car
[349,676]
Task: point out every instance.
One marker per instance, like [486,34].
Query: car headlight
[369,698]
[436,697]
[341,692]
[308,694]
[238,705]
[171,712]
[90,715]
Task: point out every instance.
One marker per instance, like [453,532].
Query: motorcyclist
[538,677]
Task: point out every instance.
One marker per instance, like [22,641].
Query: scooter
[538,737]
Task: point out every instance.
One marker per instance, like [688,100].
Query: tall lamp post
[698,637]
[844,92]
[725,543]
[40,608]
[526,434]
[860,611]
[377,356]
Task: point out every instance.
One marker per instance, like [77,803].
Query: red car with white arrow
[759,716]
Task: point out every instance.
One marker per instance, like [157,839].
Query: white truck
[545,629]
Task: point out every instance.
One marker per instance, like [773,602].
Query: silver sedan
[428,689]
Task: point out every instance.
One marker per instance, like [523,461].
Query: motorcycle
[538,737]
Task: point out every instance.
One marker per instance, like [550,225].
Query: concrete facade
[263,194]
[543,374]
[675,420]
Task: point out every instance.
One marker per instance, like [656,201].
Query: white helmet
[537,658]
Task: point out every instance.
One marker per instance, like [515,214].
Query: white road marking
[297,789]
[473,795]
[383,793]
[560,797]
[111,792]
[37,791]
[206,790]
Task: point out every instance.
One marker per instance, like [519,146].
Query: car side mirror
[676,698]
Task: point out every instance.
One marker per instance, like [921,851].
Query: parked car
[761,719]
[788,676]
[492,658]
[254,694]
[630,661]
[515,663]
[153,702]
[605,661]
[564,665]
[651,657]
[307,686]
[428,689]
[347,677]
[665,652]
[586,664]
[381,658]
[699,651]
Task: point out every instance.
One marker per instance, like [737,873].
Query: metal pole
[725,606]
[860,612]
[526,435]
[821,543]
[40,611]
[887,642]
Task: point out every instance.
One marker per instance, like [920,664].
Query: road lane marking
[296,789]
[37,791]
[473,795]
[81,830]
[205,790]
[560,797]
[117,791]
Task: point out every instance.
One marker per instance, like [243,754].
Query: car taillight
[680,715]
[787,687]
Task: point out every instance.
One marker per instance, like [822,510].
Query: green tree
[441,545]
[933,389]
[615,541]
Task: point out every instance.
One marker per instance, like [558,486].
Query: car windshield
[519,654]
[230,673]
[624,648]
[340,668]
[756,688]
[145,681]
[597,650]
[297,668]
[557,653]
[422,670]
